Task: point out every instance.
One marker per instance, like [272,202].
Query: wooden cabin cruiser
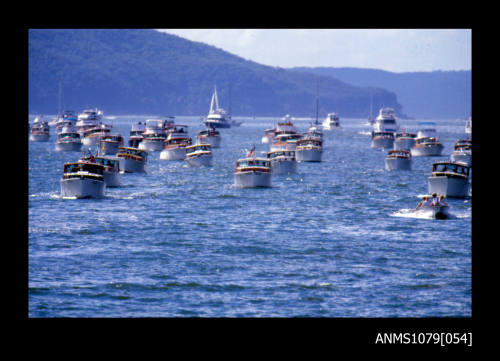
[450,179]
[309,149]
[462,152]
[111,172]
[83,180]
[40,130]
[468,126]
[217,117]
[93,135]
[382,140]
[135,135]
[209,136]
[178,131]
[315,131]
[68,139]
[404,140]
[252,172]
[386,121]
[285,126]
[89,118]
[67,118]
[132,160]
[282,162]
[427,143]
[154,135]
[110,143]
[199,155]
[285,142]
[175,148]
[398,160]
[331,121]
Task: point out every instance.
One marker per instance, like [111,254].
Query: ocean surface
[338,239]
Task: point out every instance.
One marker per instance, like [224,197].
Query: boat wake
[421,214]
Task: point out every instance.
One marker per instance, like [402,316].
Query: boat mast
[59,110]
[317,102]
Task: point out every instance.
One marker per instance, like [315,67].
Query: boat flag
[251,153]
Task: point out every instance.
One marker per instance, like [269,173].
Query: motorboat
[386,121]
[68,139]
[91,136]
[398,160]
[209,136]
[217,117]
[154,135]
[132,160]
[427,142]
[404,140]
[175,148]
[282,162]
[110,143]
[382,140]
[439,211]
[67,118]
[285,126]
[315,131]
[252,172]
[177,131]
[111,173]
[468,126]
[462,152]
[83,179]
[285,142]
[450,179]
[89,118]
[331,121]
[199,155]
[40,130]
[135,135]
[309,149]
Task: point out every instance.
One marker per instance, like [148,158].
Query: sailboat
[370,120]
[217,117]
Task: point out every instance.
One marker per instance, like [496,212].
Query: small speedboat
[199,155]
[398,160]
[83,180]
[436,212]
[132,159]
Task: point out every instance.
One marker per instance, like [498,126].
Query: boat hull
[404,144]
[449,186]
[69,146]
[151,146]
[283,167]
[173,154]
[382,143]
[433,150]
[82,188]
[132,165]
[398,164]
[252,179]
[112,179]
[199,161]
[39,137]
[436,212]
[308,155]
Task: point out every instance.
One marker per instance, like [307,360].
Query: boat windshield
[451,167]
[87,167]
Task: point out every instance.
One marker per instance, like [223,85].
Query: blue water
[338,239]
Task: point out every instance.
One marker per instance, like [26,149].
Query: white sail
[215,101]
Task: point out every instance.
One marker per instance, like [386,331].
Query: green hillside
[135,71]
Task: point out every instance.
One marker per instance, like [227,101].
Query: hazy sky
[396,50]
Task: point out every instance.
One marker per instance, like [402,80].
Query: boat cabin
[309,141]
[281,153]
[79,169]
[180,142]
[453,169]
[253,162]
[108,163]
[383,134]
[398,153]
[68,136]
[463,144]
[198,148]
[135,152]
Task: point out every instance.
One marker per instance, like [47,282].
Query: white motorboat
[110,143]
[404,140]
[468,126]
[40,130]
[135,135]
[386,121]
[285,126]
[331,121]
[315,131]
[175,148]
[209,136]
[83,180]
[177,131]
[285,142]
[154,136]
[67,118]
[382,140]
[398,160]
[282,162]
[462,152]
[309,149]
[93,135]
[217,117]
[252,172]
[132,160]
[450,179]
[199,155]
[89,118]
[435,211]
[427,143]
[68,139]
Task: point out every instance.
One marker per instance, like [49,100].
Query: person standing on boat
[435,200]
